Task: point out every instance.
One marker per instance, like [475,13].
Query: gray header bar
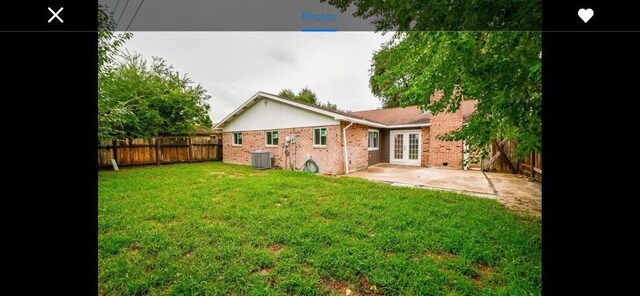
[233,15]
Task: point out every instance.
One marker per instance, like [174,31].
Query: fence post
[533,165]
[157,151]
[115,150]
[189,152]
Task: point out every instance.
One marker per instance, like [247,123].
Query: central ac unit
[261,159]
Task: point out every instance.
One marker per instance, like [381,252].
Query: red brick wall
[441,152]
[425,146]
[329,158]
[358,143]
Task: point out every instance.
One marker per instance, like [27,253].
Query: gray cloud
[281,54]
[233,66]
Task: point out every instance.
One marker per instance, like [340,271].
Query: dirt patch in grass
[388,254]
[482,271]
[238,175]
[276,248]
[336,286]
[264,271]
[188,254]
[440,255]
[134,249]
[366,288]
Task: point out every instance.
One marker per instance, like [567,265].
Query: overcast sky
[233,66]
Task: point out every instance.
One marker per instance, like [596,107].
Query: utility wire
[125,8]
[116,9]
[134,15]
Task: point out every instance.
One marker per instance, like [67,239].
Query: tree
[447,15]
[162,101]
[112,112]
[307,96]
[328,105]
[287,93]
[501,69]
[137,99]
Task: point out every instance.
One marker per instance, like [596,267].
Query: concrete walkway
[515,193]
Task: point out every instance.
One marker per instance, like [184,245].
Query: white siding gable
[270,114]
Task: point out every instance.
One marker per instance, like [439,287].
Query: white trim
[313,137]
[233,139]
[417,162]
[408,125]
[265,138]
[373,131]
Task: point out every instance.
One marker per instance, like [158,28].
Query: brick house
[340,142]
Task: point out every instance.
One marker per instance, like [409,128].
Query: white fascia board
[360,121]
[408,125]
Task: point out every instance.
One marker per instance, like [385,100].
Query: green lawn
[220,229]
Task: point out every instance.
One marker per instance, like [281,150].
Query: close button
[55,15]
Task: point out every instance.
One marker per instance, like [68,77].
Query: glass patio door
[405,147]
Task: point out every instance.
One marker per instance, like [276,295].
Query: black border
[52,76]
[51,191]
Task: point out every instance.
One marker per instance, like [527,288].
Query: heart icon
[585,14]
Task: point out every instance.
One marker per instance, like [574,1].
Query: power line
[116,9]
[125,8]
[134,15]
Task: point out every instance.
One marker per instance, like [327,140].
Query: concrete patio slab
[514,192]
[471,182]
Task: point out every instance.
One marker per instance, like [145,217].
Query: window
[272,138]
[320,136]
[374,139]
[237,139]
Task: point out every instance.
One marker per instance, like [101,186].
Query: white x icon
[55,14]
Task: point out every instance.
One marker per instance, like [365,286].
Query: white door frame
[405,160]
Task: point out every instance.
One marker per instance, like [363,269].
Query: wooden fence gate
[501,155]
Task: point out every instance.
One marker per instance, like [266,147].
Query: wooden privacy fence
[159,150]
[501,156]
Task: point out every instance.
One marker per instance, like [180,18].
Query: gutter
[346,152]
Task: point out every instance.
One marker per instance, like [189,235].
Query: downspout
[344,142]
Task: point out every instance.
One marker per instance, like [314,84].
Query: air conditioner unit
[261,159]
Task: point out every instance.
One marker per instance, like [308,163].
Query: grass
[221,229]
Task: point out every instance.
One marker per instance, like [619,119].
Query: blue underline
[319,30]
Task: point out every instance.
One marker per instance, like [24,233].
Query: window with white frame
[374,139]
[237,139]
[271,138]
[320,136]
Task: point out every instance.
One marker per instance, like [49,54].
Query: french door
[405,147]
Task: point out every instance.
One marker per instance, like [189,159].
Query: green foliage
[140,100]
[447,15]
[108,41]
[502,70]
[220,229]
[287,93]
[306,96]
[329,105]
[161,101]
[112,112]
